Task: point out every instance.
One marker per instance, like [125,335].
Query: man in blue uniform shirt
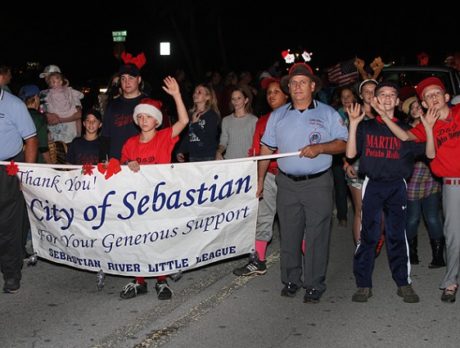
[16,129]
[305,185]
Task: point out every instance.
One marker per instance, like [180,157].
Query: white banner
[163,219]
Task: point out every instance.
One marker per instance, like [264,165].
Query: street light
[165,48]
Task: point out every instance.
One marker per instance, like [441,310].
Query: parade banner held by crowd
[161,220]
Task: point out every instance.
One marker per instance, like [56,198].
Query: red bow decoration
[87,169]
[12,169]
[139,61]
[109,169]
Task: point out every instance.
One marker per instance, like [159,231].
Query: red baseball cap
[266,82]
[429,81]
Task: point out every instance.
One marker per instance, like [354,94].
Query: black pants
[391,198]
[13,225]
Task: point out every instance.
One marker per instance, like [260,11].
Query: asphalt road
[59,306]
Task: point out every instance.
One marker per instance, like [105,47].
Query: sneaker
[448,295]
[312,295]
[379,246]
[132,289]
[408,294]
[289,290]
[11,286]
[32,260]
[163,290]
[362,295]
[252,267]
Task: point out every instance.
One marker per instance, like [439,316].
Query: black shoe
[252,267]
[163,290]
[32,260]
[11,286]
[132,289]
[289,290]
[312,295]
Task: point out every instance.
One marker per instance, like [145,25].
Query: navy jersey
[383,157]
[82,151]
[118,124]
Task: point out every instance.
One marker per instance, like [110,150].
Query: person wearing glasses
[440,129]
[305,186]
[385,161]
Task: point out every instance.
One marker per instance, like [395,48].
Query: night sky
[252,35]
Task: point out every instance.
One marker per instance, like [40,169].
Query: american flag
[343,73]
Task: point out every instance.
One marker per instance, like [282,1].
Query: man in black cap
[118,123]
[305,185]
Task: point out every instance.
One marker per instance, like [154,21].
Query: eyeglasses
[433,95]
[295,84]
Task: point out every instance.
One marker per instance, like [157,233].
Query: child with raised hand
[153,146]
[386,162]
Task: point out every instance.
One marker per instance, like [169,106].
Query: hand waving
[430,118]
[171,86]
[355,114]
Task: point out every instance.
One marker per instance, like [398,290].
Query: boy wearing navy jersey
[385,161]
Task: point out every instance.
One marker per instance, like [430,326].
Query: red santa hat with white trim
[149,107]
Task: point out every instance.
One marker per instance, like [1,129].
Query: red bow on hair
[139,61]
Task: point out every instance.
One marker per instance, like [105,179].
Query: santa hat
[149,107]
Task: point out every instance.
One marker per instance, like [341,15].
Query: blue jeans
[429,207]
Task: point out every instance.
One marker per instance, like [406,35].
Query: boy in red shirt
[440,129]
[153,146]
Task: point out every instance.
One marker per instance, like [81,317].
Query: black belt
[303,177]
[16,158]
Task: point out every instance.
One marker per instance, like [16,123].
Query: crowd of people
[394,156]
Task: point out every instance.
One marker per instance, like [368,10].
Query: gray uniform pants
[305,208]
[451,208]
[267,210]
